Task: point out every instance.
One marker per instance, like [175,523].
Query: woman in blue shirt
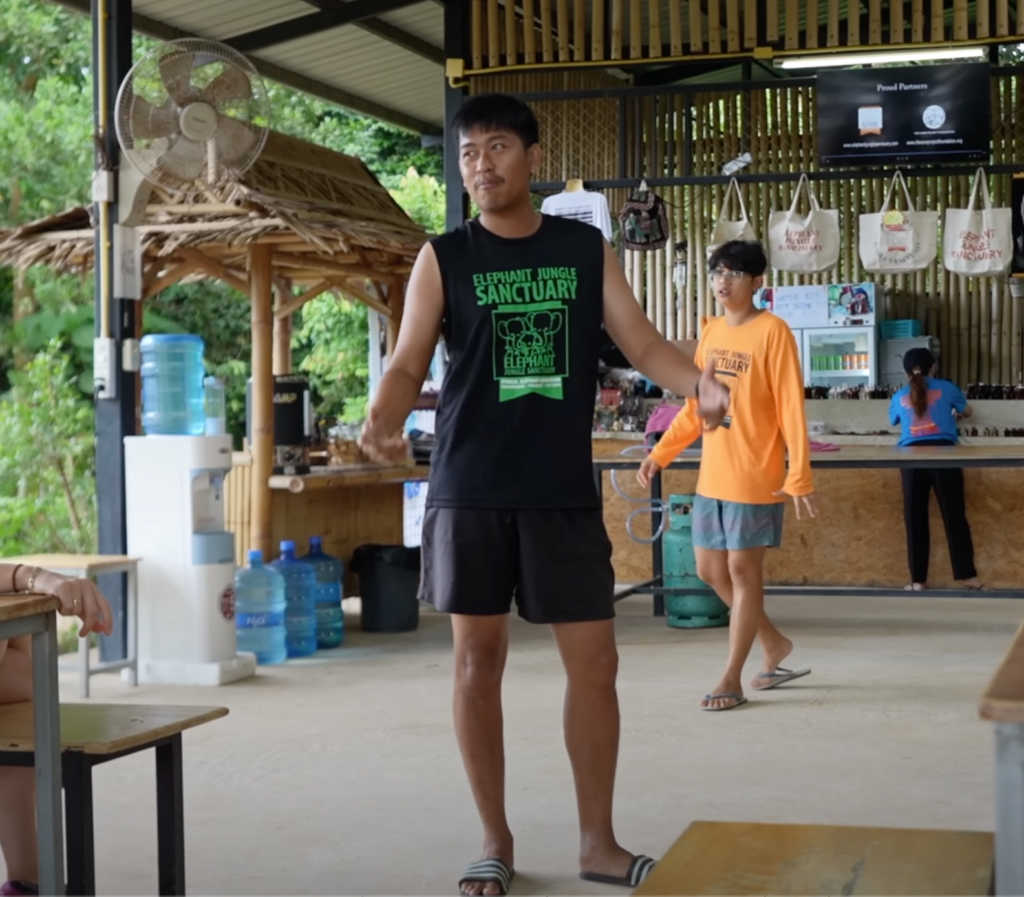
[927,410]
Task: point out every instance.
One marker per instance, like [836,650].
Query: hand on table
[808,503]
[78,598]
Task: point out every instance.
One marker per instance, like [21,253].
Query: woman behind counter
[927,410]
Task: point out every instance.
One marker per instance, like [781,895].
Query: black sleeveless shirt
[522,326]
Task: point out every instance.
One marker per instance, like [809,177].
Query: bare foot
[604,859]
[773,656]
[725,687]
[497,848]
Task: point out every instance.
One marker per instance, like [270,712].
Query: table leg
[133,625]
[1009,809]
[83,667]
[170,817]
[80,824]
[49,813]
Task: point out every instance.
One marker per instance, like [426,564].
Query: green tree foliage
[47,487]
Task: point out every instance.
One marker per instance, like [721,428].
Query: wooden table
[1003,704]
[747,858]
[36,615]
[89,566]
[848,457]
[92,734]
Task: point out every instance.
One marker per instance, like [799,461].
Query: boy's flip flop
[490,871]
[638,870]
[739,701]
[778,677]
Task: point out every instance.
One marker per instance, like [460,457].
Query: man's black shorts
[556,564]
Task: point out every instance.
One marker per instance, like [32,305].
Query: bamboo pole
[874,21]
[917,21]
[732,25]
[833,22]
[853,24]
[1002,18]
[1020,18]
[477,33]
[655,291]
[750,14]
[896,26]
[508,12]
[1017,341]
[714,26]
[675,25]
[564,30]
[696,27]
[493,34]
[811,32]
[938,21]
[546,31]
[693,261]
[261,287]
[960,18]
[530,31]
[771,20]
[636,36]
[282,361]
[654,26]
[793,23]
[579,21]
[616,28]
[1005,332]
[395,298]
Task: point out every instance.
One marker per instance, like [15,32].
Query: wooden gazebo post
[261,283]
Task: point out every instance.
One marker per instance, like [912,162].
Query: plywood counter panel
[858,538]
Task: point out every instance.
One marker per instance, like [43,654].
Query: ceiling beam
[393,35]
[335,95]
[314,23]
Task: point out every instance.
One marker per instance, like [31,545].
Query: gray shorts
[735,526]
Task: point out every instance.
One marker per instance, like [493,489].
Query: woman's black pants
[948,483]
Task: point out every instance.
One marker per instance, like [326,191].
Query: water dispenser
[176,525]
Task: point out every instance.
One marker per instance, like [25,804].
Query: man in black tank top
[512,509]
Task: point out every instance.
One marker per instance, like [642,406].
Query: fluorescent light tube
[844,59]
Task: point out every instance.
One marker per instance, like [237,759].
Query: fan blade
[234,139]
[176,72]
[184,161]
[231,84]
[150,122]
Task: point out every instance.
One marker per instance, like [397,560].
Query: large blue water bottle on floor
[300,614]
[172,384]
[259,611]
[330,572]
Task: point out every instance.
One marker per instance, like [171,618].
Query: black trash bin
[389,582]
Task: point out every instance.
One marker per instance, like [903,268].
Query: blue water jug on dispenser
[330,572]
[172,384]
[300,613]
[260,611]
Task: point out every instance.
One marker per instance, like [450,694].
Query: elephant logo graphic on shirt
[529,341]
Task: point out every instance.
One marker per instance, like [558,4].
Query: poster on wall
[1017,207]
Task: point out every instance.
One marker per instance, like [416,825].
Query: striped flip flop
[486,872]
[638,870]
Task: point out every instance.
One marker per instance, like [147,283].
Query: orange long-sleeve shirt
[744,459]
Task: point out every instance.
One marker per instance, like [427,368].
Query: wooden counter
[346,506]
[859,538]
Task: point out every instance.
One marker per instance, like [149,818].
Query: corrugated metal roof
[349,65]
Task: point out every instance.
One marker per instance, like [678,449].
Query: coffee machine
[293,422]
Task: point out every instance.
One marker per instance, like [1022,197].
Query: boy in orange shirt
[743,482]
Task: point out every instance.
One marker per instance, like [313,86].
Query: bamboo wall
[981,330]
[575,31]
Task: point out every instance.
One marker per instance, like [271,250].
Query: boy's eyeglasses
[726,274]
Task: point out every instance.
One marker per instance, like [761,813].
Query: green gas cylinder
[686,611]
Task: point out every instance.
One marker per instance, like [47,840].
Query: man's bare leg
[481,648]
[713,568]
[18,784]
[591,722]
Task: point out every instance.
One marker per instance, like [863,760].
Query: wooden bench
[751,858]
[1003,704]
[92,734]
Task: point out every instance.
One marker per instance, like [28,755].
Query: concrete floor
[340,774]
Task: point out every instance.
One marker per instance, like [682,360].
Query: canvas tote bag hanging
[978,242]
[893,242]
[725,229]
[804,244]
